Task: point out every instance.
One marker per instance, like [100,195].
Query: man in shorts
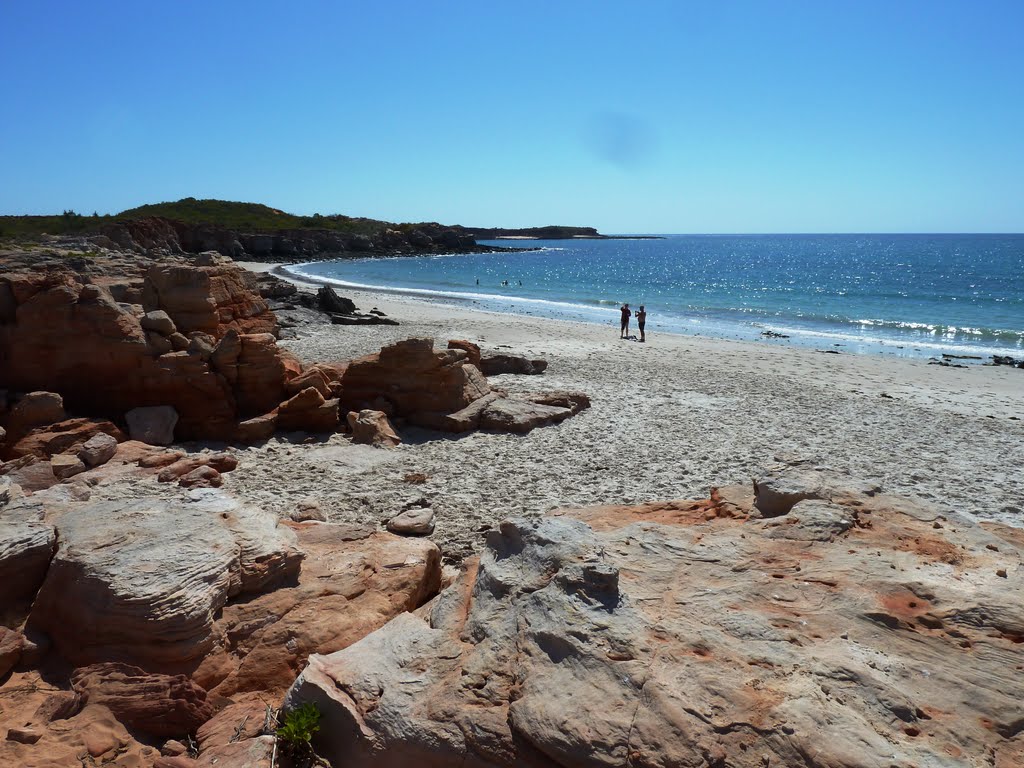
[624,331]
[641,320]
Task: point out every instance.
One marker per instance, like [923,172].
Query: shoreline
[769,332]
[670,419]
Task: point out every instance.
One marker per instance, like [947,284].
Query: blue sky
[631,117]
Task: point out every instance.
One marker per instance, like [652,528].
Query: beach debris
[619,625]
[417,521]
[370,427]
[415,478]
[774,335]
[1006,360]
[152,424]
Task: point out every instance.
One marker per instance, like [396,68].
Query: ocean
[910,295]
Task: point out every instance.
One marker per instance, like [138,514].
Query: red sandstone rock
[162,705]
[372,428]
[352,580]
[212,299]
[421,384]
[161,458]
[313,377]
[201,477]
[11,643]
[472,350]
[308,411]
[64,436]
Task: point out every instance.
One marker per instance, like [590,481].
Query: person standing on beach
[641,320]
[624,331]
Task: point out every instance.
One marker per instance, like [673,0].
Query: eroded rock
[681,634]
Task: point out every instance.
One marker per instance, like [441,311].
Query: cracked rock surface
[864,631]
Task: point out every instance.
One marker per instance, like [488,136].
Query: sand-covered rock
[865,633]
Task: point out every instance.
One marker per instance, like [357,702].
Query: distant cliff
[538,233]
[259,232]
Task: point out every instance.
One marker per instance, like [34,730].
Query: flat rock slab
[514,415]
[862,634]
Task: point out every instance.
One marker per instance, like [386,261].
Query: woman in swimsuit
[641,321]
[624,332]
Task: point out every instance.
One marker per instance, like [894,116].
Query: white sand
[670,419]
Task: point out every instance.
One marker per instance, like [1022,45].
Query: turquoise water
[915,295]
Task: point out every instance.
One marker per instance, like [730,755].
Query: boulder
[372,428]
[153,424]
[26,547]
[256,429]
[201,477]
[420,384]
[98,449]
[307,510]
[64,436]
[672,635]
[515,415]
[493,365]
[212,299]
[159,322]
[160,705]
[775,494]
[65,465]
[330,301]
[36,409]
[142,582]
[312,377]
[418,521]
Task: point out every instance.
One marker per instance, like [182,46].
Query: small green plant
[297,728]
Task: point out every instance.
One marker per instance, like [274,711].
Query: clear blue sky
[631,117]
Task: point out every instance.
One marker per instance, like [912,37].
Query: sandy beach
[670,419]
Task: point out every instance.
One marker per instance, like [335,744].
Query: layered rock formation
[146,617]
[851,629]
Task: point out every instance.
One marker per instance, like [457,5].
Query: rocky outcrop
[414,381]
[862,630]
[148,578]
[352,581]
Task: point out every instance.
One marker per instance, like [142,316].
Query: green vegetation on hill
[246,217]
[249,217]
